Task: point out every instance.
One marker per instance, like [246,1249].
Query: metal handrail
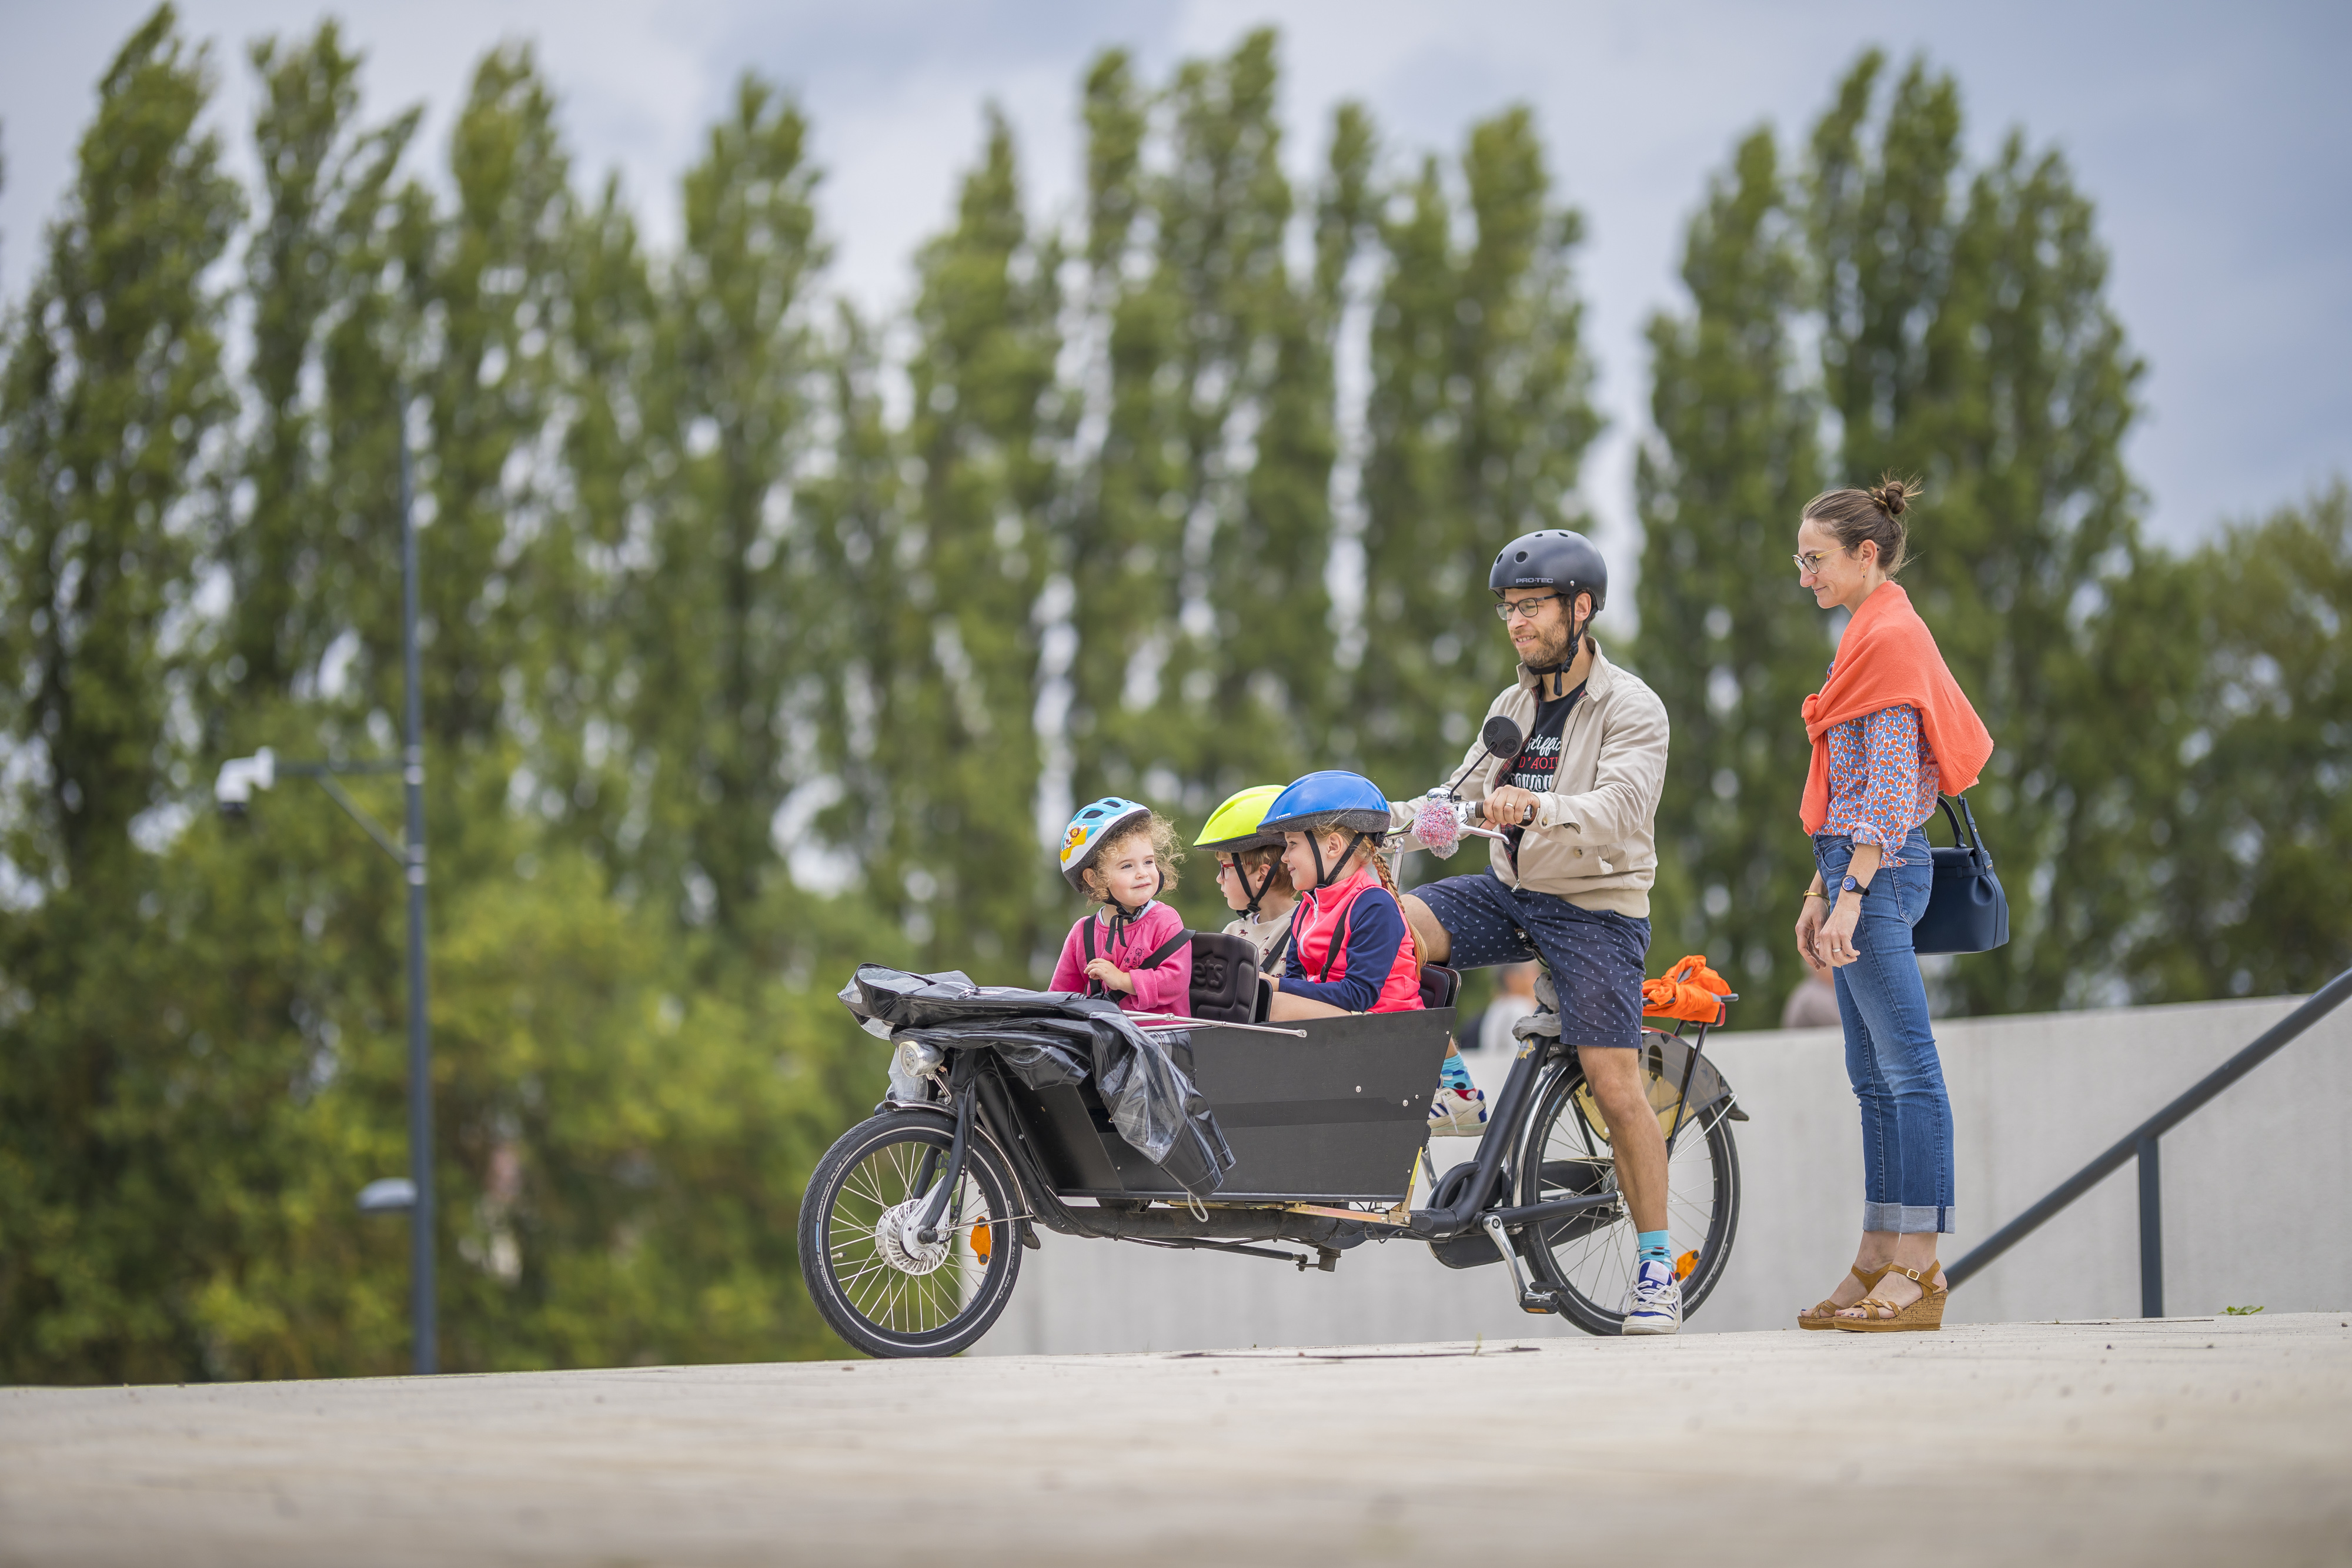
[2140,1142]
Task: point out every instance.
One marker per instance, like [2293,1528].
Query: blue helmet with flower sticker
[1090,830]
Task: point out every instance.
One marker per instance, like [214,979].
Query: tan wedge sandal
[1924,1316]
[1823,1312]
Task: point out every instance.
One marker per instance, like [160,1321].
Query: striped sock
[1657,1247]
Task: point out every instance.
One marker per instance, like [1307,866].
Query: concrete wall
[2255,1198]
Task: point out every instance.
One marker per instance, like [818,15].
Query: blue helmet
[1347,800]
[1090,830]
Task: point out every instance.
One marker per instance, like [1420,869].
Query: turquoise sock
[1453,1075]
[1657,1247]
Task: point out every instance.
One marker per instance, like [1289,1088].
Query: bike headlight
[914,1059]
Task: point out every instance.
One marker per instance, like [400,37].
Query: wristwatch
[1859,889]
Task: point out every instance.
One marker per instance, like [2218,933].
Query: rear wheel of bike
[883,1290]
[1589,1256]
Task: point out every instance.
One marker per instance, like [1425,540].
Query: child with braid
[1351,950]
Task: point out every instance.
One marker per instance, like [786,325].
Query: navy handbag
[1966,911]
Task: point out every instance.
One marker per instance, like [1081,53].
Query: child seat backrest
[1439,986]
[1224,973]
[1224,977]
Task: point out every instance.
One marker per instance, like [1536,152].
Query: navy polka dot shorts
[1596,956]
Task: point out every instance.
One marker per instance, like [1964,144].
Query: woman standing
[1891,729]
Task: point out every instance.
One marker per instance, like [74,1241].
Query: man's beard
[1557,650]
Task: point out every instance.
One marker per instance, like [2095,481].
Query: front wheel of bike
[875,1282]
[1589,1256]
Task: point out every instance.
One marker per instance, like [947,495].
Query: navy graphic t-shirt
[1537,767]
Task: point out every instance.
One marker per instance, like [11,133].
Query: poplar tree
[112,401]
[986,429]
[593,583]
[721,627]
[495,299]
[1477,421]
[1727,640]
[1247,419]
[1122,553]
[315,275]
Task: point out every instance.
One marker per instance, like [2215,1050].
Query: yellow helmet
[1234,824]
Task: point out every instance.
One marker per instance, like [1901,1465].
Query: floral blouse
[1883,779]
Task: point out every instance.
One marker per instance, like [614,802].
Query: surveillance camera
[240,777]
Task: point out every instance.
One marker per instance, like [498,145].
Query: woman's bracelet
[1809,894]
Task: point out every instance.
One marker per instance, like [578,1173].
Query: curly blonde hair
[1166,847]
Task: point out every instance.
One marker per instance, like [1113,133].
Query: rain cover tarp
[1052,1038]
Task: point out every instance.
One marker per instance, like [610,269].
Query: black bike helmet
[1553,558]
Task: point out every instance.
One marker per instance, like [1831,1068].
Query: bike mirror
[1502,738]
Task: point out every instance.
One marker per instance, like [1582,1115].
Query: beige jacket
[1594,841]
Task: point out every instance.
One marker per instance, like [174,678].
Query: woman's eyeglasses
[1810,563]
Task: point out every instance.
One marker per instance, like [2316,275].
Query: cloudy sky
[2217,140]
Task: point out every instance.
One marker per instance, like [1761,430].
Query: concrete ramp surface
[2176,1441]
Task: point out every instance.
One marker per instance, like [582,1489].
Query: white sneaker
[1654,1304]
[1457,1113]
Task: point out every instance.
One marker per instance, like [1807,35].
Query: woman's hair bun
[1892,495]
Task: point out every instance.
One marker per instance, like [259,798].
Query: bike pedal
[1538,1302]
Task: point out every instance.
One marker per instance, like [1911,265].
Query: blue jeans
[1890,1047]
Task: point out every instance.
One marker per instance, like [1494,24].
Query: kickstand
[1537,1299]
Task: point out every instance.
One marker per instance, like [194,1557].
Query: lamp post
[233,793]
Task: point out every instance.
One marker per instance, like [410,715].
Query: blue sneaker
[1654,1304]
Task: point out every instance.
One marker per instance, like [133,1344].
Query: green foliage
[108,400]
[111,387]
[987,419]
[2244,816]
[316,270]
[1196,553]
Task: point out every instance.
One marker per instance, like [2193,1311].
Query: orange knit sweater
[1888,658]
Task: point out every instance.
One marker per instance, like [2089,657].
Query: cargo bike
[1012,1111]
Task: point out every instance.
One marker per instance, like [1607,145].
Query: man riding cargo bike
[1286,1115]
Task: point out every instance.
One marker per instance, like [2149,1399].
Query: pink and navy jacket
[1350,948]
[1164,988]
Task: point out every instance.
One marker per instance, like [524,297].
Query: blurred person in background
[1514,1000]
[1813,1004]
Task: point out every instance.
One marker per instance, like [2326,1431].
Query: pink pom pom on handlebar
[1438,826]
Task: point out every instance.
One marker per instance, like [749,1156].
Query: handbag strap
[1970,838]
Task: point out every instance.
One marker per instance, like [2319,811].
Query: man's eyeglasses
[1506,609]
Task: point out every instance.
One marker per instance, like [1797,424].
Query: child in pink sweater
[1121,856]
